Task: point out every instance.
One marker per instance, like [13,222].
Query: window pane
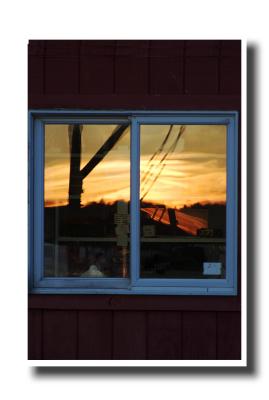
[86,200]
[183,201]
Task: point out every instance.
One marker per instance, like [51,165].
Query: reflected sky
[194,172]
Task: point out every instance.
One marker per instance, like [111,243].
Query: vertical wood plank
[231,48]
[129,335]
[62,66]
[230,75]
[202,48]
[131,67]
[164,335]
[95,335]
[36,66]
[201,75]
[34,334]
[199,335]
[60,335]
[229,335]
[166,67]
[97,66]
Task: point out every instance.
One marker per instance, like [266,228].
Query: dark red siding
[175,75]
[123,327]
[94,335]
[164,335]
[59,335]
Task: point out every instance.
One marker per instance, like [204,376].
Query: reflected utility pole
[76,174]
[75,182]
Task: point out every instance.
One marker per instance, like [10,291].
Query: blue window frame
[153,247]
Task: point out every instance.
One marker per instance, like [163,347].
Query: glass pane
[86,200]
[183,201]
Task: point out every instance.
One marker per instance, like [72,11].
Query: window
[133,202]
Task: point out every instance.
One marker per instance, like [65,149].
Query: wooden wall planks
[132,67]
[129,335]
[201,75]
[135,102]
[97,67]
[199,340]
[36,58]
[175,75]
[95,335]
[230,75]
[62,66]
[228,336]
[59,335]
[35,335]
[154,335]
[138,302]
[166,74]
[164,335]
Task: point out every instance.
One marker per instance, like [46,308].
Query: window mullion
[135,206]
[38,237]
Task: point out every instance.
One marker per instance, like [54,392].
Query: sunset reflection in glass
[87,198]
[182,200]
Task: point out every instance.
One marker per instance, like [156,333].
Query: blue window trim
[134,284]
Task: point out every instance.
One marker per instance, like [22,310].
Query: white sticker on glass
[212,268]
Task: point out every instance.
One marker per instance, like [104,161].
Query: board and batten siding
[141,75]
[144,327]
